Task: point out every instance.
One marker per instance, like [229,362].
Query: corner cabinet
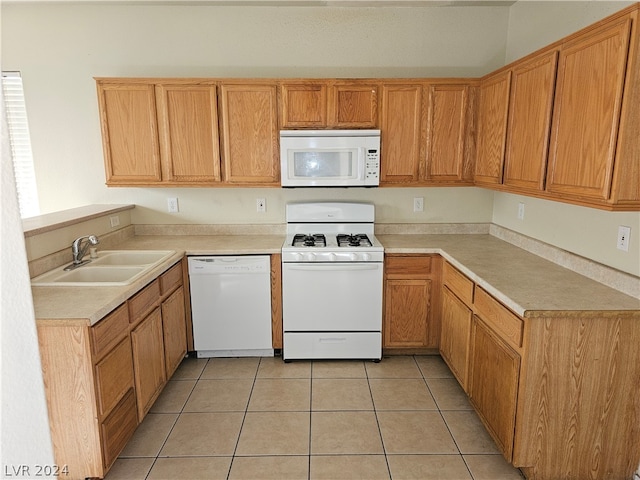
[457,298]
[571,116]
[493,109]
[554,389]
[411,286]
[101,380]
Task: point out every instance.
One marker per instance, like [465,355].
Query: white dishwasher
[231,305]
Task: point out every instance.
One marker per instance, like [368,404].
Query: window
[20,141]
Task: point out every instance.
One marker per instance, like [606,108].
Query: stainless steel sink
[111,268]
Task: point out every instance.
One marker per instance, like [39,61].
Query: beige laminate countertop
[522,281]
[90,304]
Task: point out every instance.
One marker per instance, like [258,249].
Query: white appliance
[231,305]
[330,158]
[332,268]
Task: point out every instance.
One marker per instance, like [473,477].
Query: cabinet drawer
[118,428]
[413,266]
[114,376]
[144,301]
[497,316]
[170,279]
[458,283]
[109,330]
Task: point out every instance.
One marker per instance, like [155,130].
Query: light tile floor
[260,418]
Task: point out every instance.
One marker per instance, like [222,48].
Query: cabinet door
[114,376]
[353,106]
[446,134]
[250,134]
[148,360]
[407,304]
[304,105]
[400,134]
[129,133]
[174,330]
[591,73]
[455,335]
[493,384]
[532,89]
[492,128]
[188,123]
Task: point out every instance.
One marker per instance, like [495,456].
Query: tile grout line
[155,460]
[244,417]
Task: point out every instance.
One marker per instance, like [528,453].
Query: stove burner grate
[306,240]
[351,240]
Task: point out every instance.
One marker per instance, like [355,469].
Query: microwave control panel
[372,165]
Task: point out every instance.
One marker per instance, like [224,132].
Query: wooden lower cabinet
[174,331]
[118,427]
[147,346]
[557,391]
[100,380]
[493,384]
[409,285]
[455,335]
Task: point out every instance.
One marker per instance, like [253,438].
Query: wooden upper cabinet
[530,107]
[492,128]
[590,85]
[188,125]
[249,118]
[309,104]
[401,134]
[353,105]
[448,155]
[304,105]
[129,133]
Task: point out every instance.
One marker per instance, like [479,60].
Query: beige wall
[588,232]
[60,48]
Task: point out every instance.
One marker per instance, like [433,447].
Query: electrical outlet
[418,204]
[623,238]
[172,205]
[261,205]
[520,211]
[115,221]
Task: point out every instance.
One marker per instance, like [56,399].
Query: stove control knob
[366,257]
[353,257]
[311,257]
[333,257]
[297,256]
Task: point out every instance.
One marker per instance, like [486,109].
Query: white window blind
[20,141]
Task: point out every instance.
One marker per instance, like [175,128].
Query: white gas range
[332,267]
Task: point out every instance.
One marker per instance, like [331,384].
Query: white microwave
[330,158]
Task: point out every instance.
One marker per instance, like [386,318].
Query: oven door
[332,297]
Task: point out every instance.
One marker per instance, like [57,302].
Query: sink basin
[111,268]
[131,257]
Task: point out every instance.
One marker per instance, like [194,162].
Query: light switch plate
[418,204]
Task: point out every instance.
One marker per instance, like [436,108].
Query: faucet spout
[78,250]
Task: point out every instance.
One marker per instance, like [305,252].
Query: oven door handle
[333,267]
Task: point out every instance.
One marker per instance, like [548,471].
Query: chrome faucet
[78,250]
